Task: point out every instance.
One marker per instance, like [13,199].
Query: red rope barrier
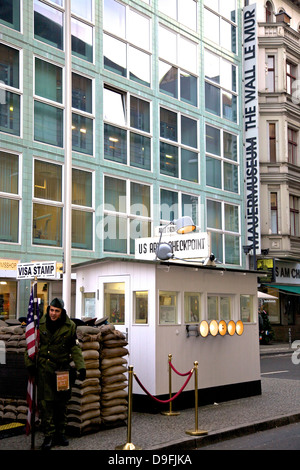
[170,399]
[182,375]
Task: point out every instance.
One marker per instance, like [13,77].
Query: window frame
[14,196]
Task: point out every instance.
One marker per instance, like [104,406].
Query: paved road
[283,438]
[280,367]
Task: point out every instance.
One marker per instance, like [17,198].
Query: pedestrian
[54,375]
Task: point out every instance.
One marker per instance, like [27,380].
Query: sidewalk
[278,404]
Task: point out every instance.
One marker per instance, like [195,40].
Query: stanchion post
[129,445]
[170,412]
[196,431]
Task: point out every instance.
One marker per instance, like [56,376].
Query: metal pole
[196,431]
[170,412]
[67,226]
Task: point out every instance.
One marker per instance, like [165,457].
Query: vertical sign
[251,115]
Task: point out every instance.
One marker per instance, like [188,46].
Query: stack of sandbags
[114,394]
[13,337]
[13,410]
[84,406]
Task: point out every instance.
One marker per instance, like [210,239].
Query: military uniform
[58,346]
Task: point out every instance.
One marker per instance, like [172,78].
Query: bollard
[196,431]
[129,445]
[170,412]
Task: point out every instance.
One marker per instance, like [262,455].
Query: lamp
[185,224]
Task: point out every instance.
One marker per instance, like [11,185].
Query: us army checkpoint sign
[40,270]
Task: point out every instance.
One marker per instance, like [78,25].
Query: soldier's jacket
[56,350]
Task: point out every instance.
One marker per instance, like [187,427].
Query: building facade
[156,131]
[279,126]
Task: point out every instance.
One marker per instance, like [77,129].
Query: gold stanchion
[170,412]
[129,445]
[196,431]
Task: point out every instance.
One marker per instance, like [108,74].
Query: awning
[291,289]
[263,295]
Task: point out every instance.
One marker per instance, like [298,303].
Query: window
[140,307]
[82,124]
[220,23]
[192,307]
[272,142]
[294,216]
[82,29]
[179,154]
[48,118]
[8,298]
[127,42]
[82,210]
[274,212]
[269,12]
[246,308]
[224,226]
[48,24]
[176,204]
[9,197]
[10,92]
[184,11]
[47,204]
[219,307]
[168,302]
[291,76]
[10,13]
[220,86]
[178,66]
[114,302]
[270,78]
[221,159]
[133,114]
[127,214]
[292,146]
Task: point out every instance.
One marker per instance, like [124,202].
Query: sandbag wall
[102,398]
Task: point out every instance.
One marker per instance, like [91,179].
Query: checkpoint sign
[40,270]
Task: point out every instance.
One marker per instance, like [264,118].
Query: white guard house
[195,311]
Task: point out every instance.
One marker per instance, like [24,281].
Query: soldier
[58,345]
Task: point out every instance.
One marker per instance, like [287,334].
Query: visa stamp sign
[189,246]
[40,270]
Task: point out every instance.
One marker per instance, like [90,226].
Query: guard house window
[274,212]
[114,302]
[127,120]
[10,92]
[127,214]
[82,119]
[219,307]
[192,307]
[270,78]
[127,42]
[224,226]
[291,76]
[272,142]
[220,23]
[10,13]
[246,308]
[10,197]
[220,86]
[292,146]
[184,11]
[168,304]
[179,155]
[140,307]
[177,204]
[82,209]
[178,66]
[222,166]
[294,216]
[47,204]
[48,103]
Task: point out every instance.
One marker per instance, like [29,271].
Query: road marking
[275,372]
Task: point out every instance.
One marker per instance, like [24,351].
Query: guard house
[193,311]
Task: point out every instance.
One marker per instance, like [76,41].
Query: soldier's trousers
[53,417]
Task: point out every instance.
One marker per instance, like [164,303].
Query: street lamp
[185,224]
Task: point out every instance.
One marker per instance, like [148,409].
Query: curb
[228,433]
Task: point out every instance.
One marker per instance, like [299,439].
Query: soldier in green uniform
[58,346]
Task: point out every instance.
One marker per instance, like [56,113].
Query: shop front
[160,307]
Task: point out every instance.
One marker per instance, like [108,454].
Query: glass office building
[156,129]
